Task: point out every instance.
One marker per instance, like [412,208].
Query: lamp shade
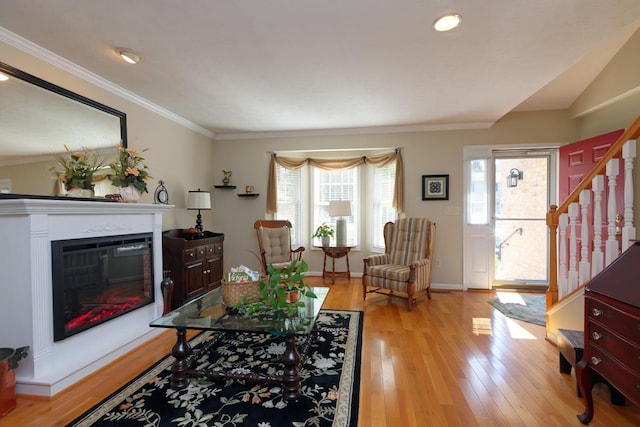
[340,208]
[198,200]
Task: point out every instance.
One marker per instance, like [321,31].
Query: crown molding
[39,52]
[353,131]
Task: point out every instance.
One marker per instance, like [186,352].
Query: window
[383,211]
[343,185]
[478,209]
[304,196]
[290,201]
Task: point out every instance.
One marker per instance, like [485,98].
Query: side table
[335,252]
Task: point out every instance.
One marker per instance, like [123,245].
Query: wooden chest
[612,330]
[195,265]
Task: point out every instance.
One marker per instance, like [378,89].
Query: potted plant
[282,290]
[79,168]
[325,233]
[130,174]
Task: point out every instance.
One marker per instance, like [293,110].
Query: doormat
[330,385]
[521,306]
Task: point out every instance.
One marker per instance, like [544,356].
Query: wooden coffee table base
[185,357]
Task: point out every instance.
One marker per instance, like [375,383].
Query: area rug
[522,306]
[330,377]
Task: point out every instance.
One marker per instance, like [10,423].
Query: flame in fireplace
[94,314]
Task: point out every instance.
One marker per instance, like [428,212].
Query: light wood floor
[453,361]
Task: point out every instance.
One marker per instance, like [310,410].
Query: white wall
[423,153]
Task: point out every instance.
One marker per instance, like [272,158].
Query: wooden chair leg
[364,288]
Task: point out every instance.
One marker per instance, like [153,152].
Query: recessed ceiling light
[129,55]
[3,77]
[447,22]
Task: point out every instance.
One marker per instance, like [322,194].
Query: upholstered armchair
[274,241]
[405,267]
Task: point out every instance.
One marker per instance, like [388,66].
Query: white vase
[85,193]
[129,194]
[326,240]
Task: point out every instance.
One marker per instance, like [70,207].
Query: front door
[505,234]
[521,203]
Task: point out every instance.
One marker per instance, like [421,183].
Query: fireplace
[98,279]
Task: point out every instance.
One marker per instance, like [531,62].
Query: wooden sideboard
[195,265]
[612,330]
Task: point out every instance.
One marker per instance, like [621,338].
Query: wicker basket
[233,293]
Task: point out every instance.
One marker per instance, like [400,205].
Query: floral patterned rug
[330,376]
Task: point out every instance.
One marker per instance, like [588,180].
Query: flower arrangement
[129,169]
[324,230]
[79,168]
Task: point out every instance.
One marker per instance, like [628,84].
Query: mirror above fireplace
[38,118]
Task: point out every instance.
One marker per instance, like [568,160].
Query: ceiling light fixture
[3,77]
[447,22]
[129,55]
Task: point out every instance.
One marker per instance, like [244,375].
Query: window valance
[376,160]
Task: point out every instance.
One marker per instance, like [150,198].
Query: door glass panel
[521,234]
[477,198]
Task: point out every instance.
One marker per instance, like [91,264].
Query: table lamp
[340,208]
[198,200]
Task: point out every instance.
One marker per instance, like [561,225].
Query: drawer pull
[595,360]
[596,336]
[596,312]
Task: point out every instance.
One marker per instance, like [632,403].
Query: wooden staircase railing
[577,206]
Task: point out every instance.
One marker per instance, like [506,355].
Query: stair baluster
[628,231]
[611,249]
[597,257]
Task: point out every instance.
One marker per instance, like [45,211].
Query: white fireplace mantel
[26,316]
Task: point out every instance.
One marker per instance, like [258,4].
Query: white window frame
[381,194]
[363,220]
[319,211]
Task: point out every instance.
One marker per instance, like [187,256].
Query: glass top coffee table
[208,313]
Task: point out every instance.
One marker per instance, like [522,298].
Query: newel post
[552,223]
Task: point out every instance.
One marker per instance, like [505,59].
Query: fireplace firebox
[98,279]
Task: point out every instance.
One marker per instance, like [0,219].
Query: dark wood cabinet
[195,265]
[612,330]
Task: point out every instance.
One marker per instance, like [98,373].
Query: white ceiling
[242,68]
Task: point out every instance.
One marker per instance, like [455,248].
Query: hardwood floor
[453,361]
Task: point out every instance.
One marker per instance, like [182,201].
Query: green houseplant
[282,290]
[324,230]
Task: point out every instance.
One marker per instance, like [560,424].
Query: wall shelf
[249,195]
[225,187]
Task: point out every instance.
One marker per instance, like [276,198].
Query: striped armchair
[405,267]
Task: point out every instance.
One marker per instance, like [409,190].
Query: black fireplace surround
[98,279]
